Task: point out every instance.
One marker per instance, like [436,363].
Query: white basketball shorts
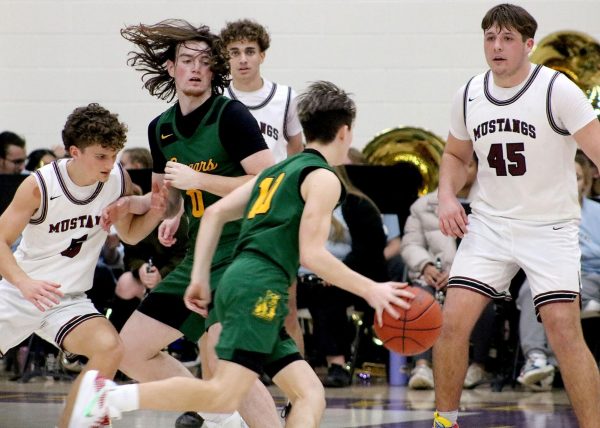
[495,248]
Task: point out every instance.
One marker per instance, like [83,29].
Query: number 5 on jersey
[267,188]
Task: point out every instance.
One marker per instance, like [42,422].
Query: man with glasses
[12,153]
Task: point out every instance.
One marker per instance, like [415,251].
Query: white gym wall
[403,60]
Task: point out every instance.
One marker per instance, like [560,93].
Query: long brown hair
[158,43]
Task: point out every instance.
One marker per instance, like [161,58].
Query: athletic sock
[216,418]
[451,416]
[124,397]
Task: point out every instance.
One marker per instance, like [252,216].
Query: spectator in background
[147,262]
[428,255]
[395,264]
[38,158]
[537,374]
[12,153]
[358,239]
[136,158]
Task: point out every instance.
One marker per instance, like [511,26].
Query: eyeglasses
[16,161]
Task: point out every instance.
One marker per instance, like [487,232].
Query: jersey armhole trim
[285,113]
[43,209]
[551,120]
[465,95]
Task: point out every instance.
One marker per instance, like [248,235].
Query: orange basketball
[417,328]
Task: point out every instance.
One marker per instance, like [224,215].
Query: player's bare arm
[453,175]
[40,292]
[321,191]
[183,177]
[295,144]
[588,139]
[197,296]
[132,228]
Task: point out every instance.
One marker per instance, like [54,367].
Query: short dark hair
[510,16]
[246,29]
[139,155]
[93,124]
[159,43]
[8,138]
[34,158]
[323,109]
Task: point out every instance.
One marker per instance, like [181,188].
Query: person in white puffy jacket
[428,255]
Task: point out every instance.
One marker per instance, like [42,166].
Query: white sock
[451,416]
[124,397]
[215,417]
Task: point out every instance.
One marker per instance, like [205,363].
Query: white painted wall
[402,59]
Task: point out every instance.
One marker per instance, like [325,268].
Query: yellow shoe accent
[441,422]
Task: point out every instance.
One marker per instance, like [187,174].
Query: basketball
[417,328]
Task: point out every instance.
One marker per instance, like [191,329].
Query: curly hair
[158,43]
[510,16]
[323,109]
[245,29]
[93,124]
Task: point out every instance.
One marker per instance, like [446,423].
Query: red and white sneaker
[91,409]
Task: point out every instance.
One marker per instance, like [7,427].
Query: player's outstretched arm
[321,190]
[132,228]
[230,208]
[41,293]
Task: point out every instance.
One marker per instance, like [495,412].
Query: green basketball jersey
[203,152]
[272,219]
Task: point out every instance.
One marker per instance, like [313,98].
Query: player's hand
[442,280]
[180,176]
[159,198]
[167,230]
[197,297]
[383,295]
[434,278]
[43,294]
[114,212]
[452,216]
[149,277]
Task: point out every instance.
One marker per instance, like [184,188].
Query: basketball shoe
[91,409]
[421,377]
[440,422]
[535,371]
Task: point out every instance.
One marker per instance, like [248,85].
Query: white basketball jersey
[526,159]
[269,106]
[63,239]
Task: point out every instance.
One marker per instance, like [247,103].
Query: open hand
[383,296]
[452,217]
[43,294]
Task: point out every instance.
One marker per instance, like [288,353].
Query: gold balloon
[575,54]
[415,146]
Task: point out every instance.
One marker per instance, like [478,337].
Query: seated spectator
[391,252]
[38,158]
[538,372]
[357,237]
[391,227]
[12,153]
[589,240]
[149,261]
[428,255]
